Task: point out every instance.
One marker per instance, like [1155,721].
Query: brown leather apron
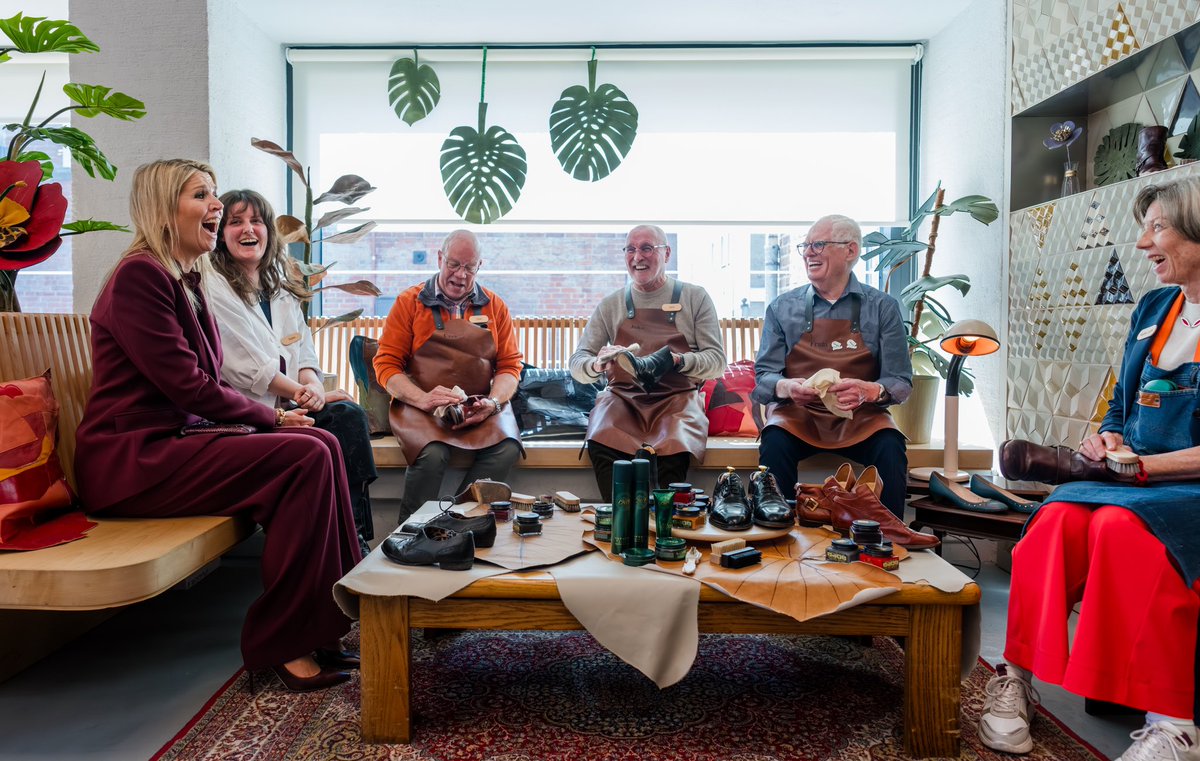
[459,353]
[670,416]
[837,344]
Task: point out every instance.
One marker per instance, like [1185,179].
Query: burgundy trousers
[1135,640]
[293,483]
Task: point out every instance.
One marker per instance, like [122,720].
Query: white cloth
[820,381]
[252,346]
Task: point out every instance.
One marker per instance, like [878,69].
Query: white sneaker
[1162,741]
[1004,724]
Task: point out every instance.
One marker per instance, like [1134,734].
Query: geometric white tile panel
[1094,232]
[1153,20]
[1120,40]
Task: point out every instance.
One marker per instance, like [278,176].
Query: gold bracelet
[279,417]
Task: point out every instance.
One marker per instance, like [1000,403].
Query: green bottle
[622,517]
[641,503]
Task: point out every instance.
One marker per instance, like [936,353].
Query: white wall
[159,56]
[964,138]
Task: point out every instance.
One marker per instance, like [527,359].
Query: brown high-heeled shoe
[319,681]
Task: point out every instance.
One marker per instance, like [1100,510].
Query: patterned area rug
[520,696]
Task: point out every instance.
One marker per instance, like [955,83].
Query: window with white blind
[736,148]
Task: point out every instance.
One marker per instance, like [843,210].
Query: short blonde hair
[1180,204]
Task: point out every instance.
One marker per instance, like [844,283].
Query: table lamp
[965,338]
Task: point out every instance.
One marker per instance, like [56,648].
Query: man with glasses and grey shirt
[449,358]
[834,323]
[656,340]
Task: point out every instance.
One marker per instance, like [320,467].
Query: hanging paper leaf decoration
[483,171]
[1116,156]
[592,130]
[413,89]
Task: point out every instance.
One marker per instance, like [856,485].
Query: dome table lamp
[965,338]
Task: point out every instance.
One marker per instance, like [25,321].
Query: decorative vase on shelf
[1070,183]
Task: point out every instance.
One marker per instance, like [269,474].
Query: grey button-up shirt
[882,328]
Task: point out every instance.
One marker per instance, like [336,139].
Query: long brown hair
[273,274]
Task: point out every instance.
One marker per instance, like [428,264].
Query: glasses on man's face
[471,269]
[646,249]
[817,246]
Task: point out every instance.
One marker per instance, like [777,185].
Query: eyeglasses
[646,249]
[471,269]
[818,246]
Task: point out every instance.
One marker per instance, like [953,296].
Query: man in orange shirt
[450,332]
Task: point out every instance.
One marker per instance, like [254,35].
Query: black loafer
[770,508]
[948,492]
[450,550]
[985,488]
[730,510]
[483,526]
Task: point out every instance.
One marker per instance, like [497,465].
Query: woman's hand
[310,396]
[1094,446]
[295,419]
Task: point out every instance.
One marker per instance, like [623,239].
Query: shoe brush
[522,502]
[1123,462]
[720,548]
[566,501]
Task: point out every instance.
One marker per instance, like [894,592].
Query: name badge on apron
[672,307]
[1149,399]
[479,319]
[1146,332]
[291,339]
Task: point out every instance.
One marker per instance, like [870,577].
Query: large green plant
[930,317]
[592,128]
[32,209]
[346,189]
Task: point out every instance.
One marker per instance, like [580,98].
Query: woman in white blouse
[268,347]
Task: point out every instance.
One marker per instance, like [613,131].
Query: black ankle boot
[647,371]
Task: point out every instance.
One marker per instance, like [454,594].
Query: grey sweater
[697,321]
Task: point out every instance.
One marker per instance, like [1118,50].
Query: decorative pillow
[371,395]
[35,500]
[550,404]
[727,402]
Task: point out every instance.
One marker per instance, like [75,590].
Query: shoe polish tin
[527,524]
[688,517]
[670,548]
[879,555]
[503,511]
[865,532]
[636,556]
[604,516]
[602,535]
[683,493]
[545,510]
[842,551]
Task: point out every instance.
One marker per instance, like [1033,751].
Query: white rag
[820,381]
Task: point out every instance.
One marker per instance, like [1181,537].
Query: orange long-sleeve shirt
[410,324]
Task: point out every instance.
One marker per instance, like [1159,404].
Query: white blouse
[252,346]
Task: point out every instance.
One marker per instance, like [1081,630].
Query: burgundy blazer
[156,366]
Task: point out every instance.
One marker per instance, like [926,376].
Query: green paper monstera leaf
[1116,157]
[413,89]
[483,171]
[1189,146]
[592,130]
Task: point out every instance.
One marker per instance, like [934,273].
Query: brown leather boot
[1022,460]
[862,503]
[812,506]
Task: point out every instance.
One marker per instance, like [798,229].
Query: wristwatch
[499,405]
[884,397]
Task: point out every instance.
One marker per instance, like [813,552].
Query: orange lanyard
[1164,332]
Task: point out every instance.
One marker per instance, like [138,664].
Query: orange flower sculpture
[31,215]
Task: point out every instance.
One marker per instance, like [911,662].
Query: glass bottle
[1070,183]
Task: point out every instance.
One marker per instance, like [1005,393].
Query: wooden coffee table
[930,621]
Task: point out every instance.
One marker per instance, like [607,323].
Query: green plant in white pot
[929,317]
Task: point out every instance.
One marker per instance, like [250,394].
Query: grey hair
[1180,204]
[455,235]
[659,235]
[843,227]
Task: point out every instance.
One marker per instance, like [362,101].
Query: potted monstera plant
[33,210]
[929,317]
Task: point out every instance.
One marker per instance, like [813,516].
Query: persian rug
[520,696]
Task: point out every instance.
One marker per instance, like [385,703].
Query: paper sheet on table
[820,381]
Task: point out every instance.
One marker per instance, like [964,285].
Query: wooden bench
[50,596]
[548,342]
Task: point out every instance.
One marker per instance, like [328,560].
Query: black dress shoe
[730,510]
[483,526]
[337,658]
[450,550]
[942,489]
[319,681]
[647,371]
[1022,460]
[770,507]
[986,488]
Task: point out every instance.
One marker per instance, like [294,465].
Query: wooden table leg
[386,669]
[932,691]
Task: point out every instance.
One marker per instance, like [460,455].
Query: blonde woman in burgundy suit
[156,357]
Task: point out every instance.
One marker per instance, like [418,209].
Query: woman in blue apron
[1122,541]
